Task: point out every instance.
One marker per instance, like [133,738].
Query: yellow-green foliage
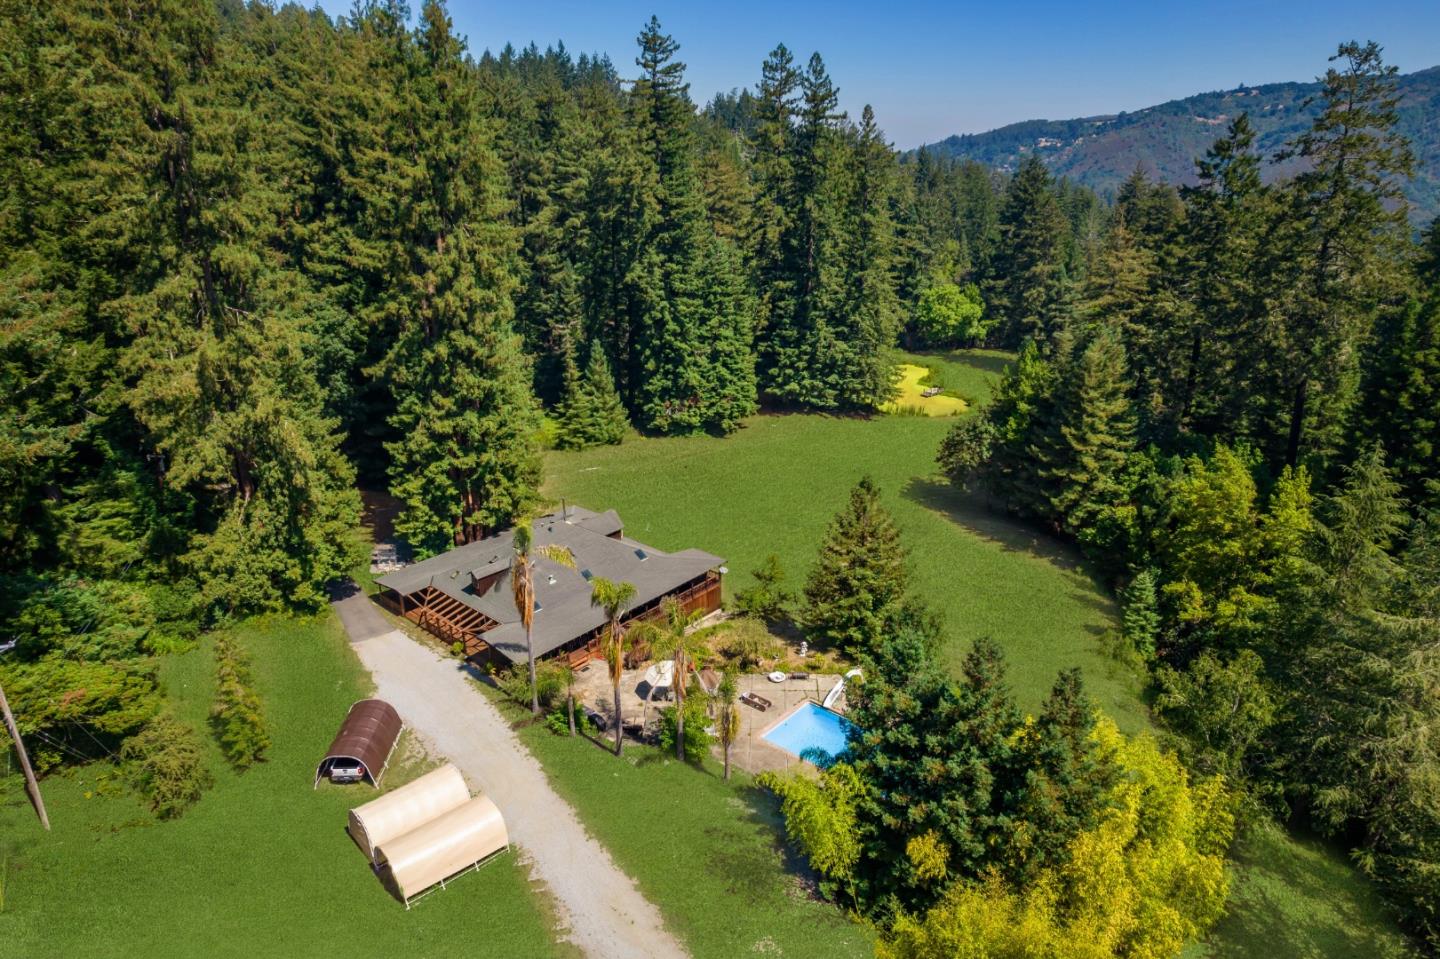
[820,817]
[1146,881]
[908,398]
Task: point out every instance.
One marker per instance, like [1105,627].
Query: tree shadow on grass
[740,864]
[971,512]
[1300,899]
[993,364]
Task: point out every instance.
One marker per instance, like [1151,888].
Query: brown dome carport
[367,737]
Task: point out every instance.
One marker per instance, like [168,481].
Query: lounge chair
[755,702]
[799,675]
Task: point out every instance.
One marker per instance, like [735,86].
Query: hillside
[1101,151]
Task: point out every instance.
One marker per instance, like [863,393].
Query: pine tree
[1062,778]
[926,762]
[693,319]
[1030,260]
[1400,391]
[1139,614]
[1346,216]
[465,462]
[1359,671]
[859,580]
[591,414]
[1227,215]
[1082,447]
[772,229]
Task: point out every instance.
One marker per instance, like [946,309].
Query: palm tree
[615,599]
[675,640]
[570,697]
[728,725]
[522,585]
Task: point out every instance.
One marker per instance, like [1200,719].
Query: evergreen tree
[465,461]
[1081,452]
[1139,614]
[859,580]
[1345,217]
[1227,216]
[831,316]
[1400,391]
[924,750]
[1061,782]
[591,414]
[1030,274]
[694,322]
[772,228]
[219,376]
[1360,677]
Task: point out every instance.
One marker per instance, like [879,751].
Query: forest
[253,259]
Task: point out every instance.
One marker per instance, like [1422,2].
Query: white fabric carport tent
[461,839]
[412,805]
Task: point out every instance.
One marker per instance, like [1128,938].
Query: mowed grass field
[261,866]
[775,485]
[709,853]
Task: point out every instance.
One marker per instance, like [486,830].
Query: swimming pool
[811,727]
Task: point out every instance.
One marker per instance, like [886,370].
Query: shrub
[551,681]
[820,818]
[747,643]
[167,765]
[558,723]
[767,599]
[697,740]
[237,716]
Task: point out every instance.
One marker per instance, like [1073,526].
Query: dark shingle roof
[562,595]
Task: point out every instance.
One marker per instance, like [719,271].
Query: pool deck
[750,751]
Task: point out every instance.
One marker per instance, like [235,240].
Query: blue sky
[935,68]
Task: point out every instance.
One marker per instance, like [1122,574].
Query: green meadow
[262,865]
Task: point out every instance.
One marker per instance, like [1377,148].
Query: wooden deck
[444,616]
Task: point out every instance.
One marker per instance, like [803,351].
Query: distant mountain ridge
[1102,151]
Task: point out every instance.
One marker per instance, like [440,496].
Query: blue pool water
[812,727]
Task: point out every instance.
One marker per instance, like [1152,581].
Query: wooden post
[31,785]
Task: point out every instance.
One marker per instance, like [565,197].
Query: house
[464,595]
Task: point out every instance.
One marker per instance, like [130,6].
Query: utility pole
[31,786]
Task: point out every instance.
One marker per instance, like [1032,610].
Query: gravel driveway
[606,915]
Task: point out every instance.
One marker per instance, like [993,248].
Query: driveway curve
[605,914]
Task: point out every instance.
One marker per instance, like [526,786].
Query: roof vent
[587,574]
[642,554]
[550,579]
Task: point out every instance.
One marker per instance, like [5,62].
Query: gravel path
[605,913]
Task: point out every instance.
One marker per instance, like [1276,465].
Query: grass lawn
[968,374]
[774,486]
[1299,898]
[708,853]
[261,866]
[914,380]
